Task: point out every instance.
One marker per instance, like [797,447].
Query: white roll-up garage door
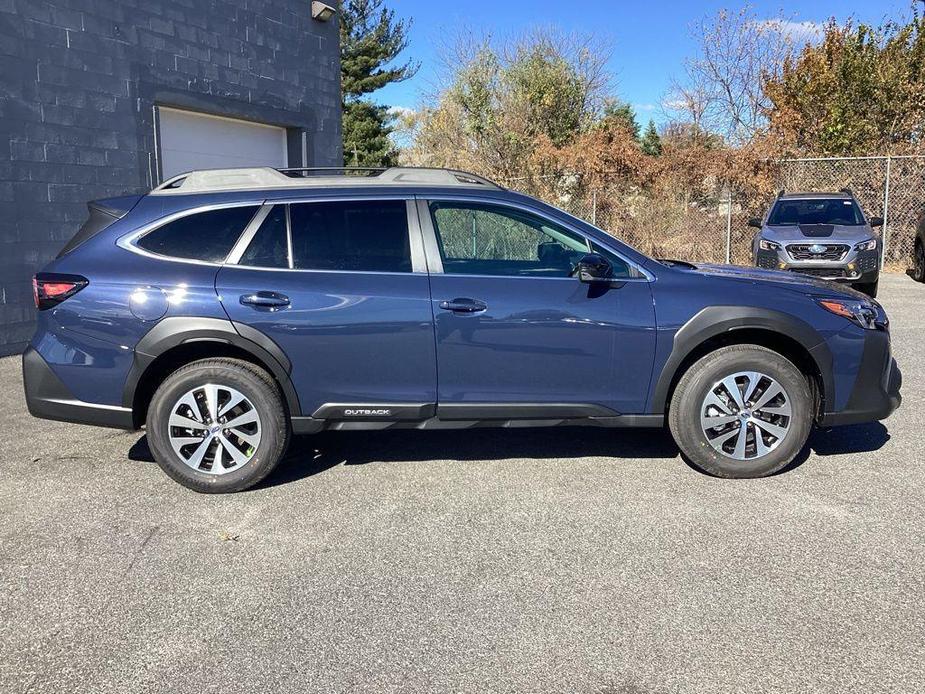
[189,140]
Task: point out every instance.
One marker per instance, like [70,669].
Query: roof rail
[847,191]
[305,171]
[217,180]
[781,193]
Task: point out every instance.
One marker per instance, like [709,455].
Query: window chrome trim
[327,272]
[128,241]
[290,260]
[432,258]
[435,260]
[237,251]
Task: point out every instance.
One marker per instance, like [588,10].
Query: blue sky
[650,39]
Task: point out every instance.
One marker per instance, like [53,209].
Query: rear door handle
[464,305]
[270,300]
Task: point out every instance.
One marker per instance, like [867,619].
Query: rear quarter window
[206,236]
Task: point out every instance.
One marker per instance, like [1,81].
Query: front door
[335,286]
[513,327]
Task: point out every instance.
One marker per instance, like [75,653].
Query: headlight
[868,245]
[859,312]
[766,245]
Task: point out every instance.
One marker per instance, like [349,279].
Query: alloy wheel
[214,429]
[746,415]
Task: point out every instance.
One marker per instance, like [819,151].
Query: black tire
[918,264]
[263,394]
[700,379]
[869,288]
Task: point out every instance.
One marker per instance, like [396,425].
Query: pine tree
[370,39]
[623,115]
[651,142]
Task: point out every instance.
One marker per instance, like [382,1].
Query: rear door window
[205,236]
[352,235]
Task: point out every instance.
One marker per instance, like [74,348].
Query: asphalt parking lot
[561,560]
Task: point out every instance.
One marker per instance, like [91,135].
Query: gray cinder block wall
[79,82]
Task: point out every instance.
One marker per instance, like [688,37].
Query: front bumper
[856,267]
[876,388]
[47,397]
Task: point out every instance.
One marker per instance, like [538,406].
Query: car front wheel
[218,425]
[918,265]
[869,288]
[741,411]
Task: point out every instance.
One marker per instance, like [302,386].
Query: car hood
[780,278]
[817,233]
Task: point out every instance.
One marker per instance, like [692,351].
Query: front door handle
[464,305]
[266,300]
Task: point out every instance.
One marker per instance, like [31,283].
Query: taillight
[50,288]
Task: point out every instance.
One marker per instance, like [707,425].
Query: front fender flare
[714,321]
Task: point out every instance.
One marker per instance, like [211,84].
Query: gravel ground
[552,560]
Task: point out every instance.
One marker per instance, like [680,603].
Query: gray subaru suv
[825,235]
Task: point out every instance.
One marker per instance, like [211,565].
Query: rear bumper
[47,397]
[876,389]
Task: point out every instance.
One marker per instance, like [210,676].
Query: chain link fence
[710,223]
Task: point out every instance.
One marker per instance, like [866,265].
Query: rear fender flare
[180,330]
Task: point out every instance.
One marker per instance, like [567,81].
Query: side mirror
[876,221]
[594,267]
[754,222]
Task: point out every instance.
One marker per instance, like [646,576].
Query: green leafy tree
[651,142]
[371,39]
[502,100]
[861,90]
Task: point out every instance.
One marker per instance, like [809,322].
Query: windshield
[820,211]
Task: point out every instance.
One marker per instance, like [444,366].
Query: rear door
[341,286]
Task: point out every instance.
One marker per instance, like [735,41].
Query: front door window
[485,239]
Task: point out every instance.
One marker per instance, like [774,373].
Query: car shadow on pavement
[858,438]
[311,455]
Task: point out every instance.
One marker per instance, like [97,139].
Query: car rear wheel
[218,425]
[741,411]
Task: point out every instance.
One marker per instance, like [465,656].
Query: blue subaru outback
[226,310]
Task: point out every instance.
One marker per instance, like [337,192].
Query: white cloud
[644,107]
[401,111]
[675,104]
[794,30]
